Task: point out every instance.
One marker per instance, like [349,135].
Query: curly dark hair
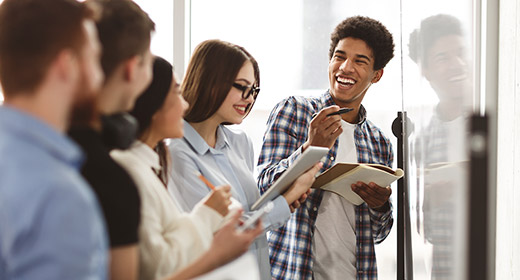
[432,28]
[374,33]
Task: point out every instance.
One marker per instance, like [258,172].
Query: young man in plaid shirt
[328,237]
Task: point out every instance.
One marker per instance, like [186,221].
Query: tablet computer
[305,161]
[249,223]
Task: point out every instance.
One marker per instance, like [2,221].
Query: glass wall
[439,94]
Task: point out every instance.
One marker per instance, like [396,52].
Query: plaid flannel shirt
[290,246]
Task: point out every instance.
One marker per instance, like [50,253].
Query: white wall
[162,39]
[508,174]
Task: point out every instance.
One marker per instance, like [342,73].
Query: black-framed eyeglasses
[247,90]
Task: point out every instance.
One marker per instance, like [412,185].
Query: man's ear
[65,65]
[377,76]
[130,68]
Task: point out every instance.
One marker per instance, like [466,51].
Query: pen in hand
[235,204]
[339,112]
[210,185]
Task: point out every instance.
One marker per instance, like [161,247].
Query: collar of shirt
[326,99]
[146,154]
[199,144]
[31,129]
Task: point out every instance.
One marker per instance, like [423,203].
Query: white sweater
[168,239]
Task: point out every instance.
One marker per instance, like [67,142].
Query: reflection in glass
[439,48]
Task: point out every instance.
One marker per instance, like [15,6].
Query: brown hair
[211,73]
[32,34]
[124,31]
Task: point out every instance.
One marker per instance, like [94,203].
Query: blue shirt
[291,246]
[50,223]
[231,162]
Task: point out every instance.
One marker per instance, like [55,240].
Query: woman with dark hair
[221,85]
[171,242]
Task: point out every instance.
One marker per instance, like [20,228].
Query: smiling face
[447,69]
[351,72]
[235,108]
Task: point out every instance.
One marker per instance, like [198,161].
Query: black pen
[341,111]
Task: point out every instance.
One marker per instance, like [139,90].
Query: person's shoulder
[295,107]
[45,183]
[128,160]
[177,143]
[19,146]
[179,146]
[234,133]
[36,179]
[134,165]
[298,101]
[376,132]
[72,186]
[124,157]
[181,151]
[38,169]
[108,177]
[51,199]
[100,164]
[236,137]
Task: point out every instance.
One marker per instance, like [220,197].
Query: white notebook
[339,178]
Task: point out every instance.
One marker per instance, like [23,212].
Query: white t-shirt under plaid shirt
[334,243]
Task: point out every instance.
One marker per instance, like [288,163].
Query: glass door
[439,95]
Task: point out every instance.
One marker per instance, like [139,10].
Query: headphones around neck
[119,130]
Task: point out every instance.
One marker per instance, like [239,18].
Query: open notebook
[341,176]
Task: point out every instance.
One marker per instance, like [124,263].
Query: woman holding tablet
[221,85]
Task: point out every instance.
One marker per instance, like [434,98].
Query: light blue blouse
[231,162]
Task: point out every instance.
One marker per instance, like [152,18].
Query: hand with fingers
[220,199]
[229,242]
[300,189]
[297,203]
[323,129]
[375,196]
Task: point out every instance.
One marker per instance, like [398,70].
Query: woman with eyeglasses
[221,85]
[169,240]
